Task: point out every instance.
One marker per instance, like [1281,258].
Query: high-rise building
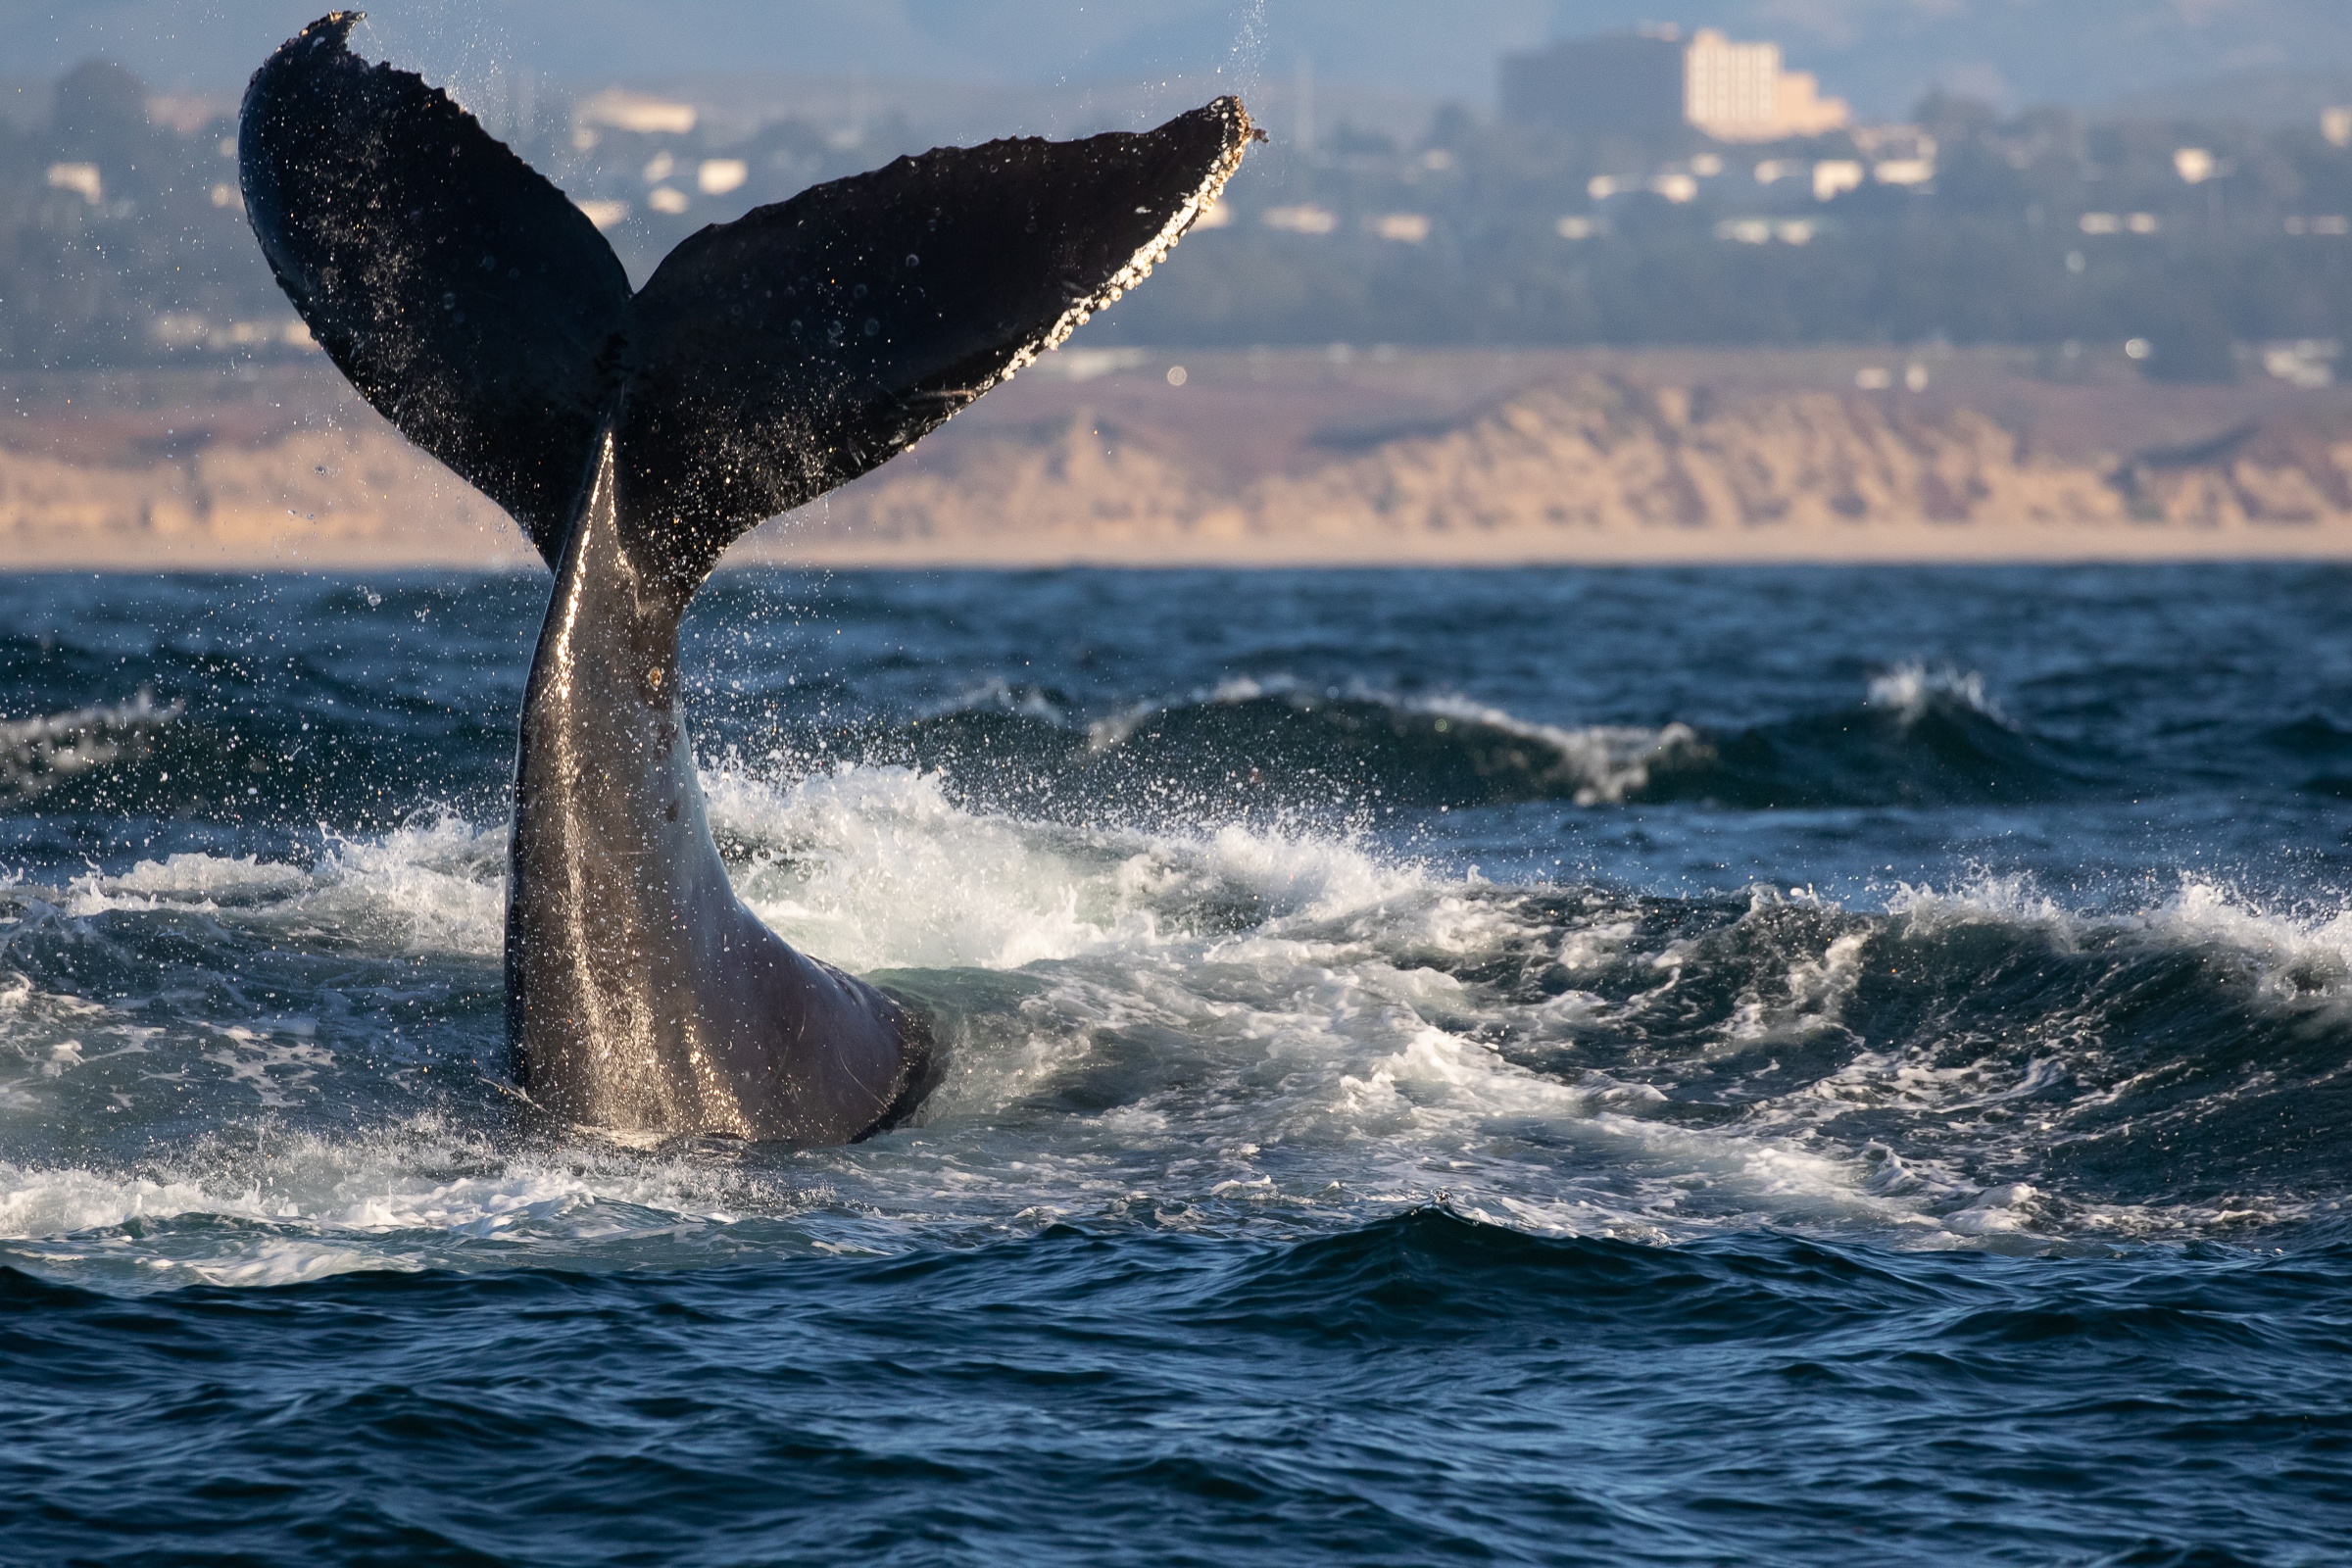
[1621,82]
[1652,82]
[1741,92]
[1729,89]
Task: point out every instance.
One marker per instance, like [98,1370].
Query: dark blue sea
[1791,1066]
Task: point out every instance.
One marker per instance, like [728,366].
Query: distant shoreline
[1289,460]
[1993,547]
[2227,553]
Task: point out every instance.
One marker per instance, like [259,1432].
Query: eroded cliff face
[1577,466]
[357,496]
[1598,468]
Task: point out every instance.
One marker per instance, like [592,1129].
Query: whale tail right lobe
[766,361]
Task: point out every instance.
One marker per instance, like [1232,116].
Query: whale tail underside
[766,361]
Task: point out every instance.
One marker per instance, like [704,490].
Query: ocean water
[1684,1066]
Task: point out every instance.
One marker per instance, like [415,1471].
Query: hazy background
[1881,54]
[2069,265]
[1393,205]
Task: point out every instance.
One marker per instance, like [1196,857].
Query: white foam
[2007,1208]
[184,881]
[436,885]
[2295,954]
[2007,900]
[60,1202]
[1261,1022]
[874,868]
[1912,688]
[338,1192]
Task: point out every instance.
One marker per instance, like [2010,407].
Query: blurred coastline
[1331,456]
[1629,309]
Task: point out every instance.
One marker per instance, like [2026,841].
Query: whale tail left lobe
[766,361]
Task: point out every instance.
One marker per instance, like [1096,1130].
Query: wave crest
[39,753]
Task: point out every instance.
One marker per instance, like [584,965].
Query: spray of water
[1246,58]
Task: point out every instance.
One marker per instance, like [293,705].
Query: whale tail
[766,361]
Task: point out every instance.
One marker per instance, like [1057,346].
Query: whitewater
[1735,1065]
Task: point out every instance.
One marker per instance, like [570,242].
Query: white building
[1740,92]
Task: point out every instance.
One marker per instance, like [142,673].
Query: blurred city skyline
[2079,264]
[1880,55]
[1629,190]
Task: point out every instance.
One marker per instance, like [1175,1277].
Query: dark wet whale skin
[641,993]
[632,437]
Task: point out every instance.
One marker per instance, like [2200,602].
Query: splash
[1197,1028]
[37,754]
[1912,689]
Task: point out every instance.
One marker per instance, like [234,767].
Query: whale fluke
[633,437]
[766,361]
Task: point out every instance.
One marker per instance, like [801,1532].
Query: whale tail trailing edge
[766,361]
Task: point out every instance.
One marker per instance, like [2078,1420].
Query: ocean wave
[1190,1028]
[39,753]
[1920,736]
[280,1206]
[1245,748]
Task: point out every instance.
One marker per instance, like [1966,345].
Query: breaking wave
[1920,737]
[1206,1028]
[39,753]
